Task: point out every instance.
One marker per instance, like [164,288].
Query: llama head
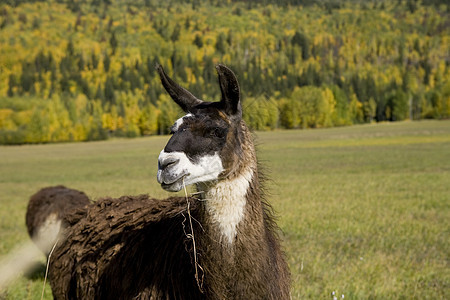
[207,142]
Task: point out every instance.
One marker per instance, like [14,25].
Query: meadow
[364,210]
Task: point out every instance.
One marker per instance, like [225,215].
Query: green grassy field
[364,210]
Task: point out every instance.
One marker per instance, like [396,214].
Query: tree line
[85,70]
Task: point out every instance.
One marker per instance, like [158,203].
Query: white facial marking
[225,202]
[206,169]
[180,121]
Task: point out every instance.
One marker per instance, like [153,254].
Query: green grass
[364,210]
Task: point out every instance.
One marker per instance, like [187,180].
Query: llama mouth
[168,177]
[174,185]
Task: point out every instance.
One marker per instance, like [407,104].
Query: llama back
[132,247]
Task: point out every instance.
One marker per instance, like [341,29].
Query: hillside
[84,70]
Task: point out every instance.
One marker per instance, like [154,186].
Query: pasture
[364,210]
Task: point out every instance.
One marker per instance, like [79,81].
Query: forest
[80,70]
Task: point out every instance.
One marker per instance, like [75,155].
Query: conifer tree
[106,62]
[198,41]
[109,90]
[11,84]
[176,33]
[113,42]
[301,40]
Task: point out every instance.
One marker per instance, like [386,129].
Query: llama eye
[172,129]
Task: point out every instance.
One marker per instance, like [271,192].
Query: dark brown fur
[125,248]
[137,247]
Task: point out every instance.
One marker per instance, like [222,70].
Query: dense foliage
[85,70]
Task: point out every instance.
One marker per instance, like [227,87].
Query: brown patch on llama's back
[124,249]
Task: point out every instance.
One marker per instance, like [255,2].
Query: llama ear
[230,91]
[181,96]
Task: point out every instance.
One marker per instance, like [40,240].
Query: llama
[219,243]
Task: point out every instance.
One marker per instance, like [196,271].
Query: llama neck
[225,203]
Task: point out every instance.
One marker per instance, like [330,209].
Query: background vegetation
[79,70]
[364,209]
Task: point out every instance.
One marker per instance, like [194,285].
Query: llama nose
[167,161]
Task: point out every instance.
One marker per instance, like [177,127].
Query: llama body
[223,245]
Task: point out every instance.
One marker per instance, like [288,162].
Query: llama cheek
[207,168]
